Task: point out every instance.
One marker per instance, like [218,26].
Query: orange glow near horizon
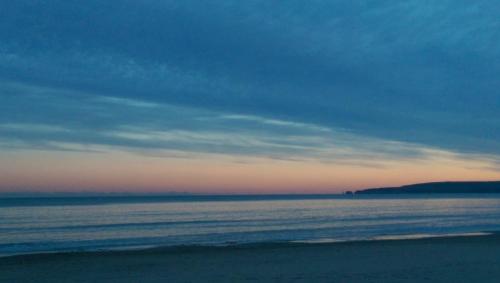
[126,172]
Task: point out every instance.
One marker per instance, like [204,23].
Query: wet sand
[455,259]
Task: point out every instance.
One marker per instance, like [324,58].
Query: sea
[67,224]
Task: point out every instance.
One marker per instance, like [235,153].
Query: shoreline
[291,243]
[441,259]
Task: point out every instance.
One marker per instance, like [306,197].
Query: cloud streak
[330,80]
[92,123]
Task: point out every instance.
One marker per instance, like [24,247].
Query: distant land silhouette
[438,187]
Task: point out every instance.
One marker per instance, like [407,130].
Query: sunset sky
[247,96]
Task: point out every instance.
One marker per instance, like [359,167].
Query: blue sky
[334,81]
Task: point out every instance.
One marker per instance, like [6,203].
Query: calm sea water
[68,224]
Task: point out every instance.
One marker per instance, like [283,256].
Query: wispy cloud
[94,123]
[326,79]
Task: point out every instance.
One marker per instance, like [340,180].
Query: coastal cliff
[438,187]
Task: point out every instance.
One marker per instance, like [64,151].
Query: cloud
[96,123]
[257,77]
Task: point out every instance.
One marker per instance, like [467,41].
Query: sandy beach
[454,259]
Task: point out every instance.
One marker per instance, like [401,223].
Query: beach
[445,259]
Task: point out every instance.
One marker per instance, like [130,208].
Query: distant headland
[438,187]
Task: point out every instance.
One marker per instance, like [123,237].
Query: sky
[247,96]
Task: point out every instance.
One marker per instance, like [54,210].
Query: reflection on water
[70,225]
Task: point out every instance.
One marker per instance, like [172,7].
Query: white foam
[425,236]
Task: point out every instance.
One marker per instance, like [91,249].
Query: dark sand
[457,259]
